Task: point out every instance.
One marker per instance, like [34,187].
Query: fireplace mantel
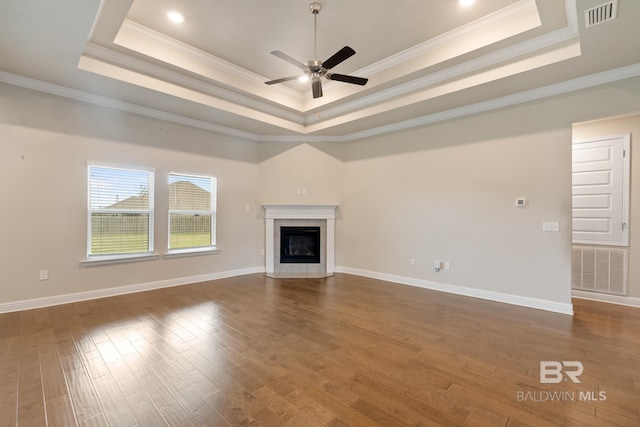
[321,212]
[300,211]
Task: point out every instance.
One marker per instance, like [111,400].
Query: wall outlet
[412,261]
[44,274]
[550,226]
[437,265]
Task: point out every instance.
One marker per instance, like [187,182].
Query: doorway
[602,206]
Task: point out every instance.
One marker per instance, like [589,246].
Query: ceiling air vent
[599,14]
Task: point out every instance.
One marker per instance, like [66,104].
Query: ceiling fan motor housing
[314,65]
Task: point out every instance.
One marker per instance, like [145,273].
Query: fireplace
[300,245]
[299,257]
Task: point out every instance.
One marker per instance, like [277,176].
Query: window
[192,211]
[120,212]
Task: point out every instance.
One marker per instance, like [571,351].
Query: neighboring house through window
[120,212]
[192,212]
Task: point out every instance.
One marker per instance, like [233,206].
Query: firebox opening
[300,245]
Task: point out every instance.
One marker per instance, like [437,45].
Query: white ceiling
[426,60]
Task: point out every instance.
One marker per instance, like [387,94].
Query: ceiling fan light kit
[313,69]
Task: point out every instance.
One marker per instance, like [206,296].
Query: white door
[601,190]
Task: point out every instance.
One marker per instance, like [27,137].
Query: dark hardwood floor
[342,351]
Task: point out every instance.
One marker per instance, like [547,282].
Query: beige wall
[45,145]
[294,173]
[616,126]
[446,191]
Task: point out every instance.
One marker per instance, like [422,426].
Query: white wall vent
[599,14]
[599,269]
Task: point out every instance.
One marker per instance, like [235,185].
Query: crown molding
[141,39]
[556,89]
[571,9]
[103,101]
[568,86]
[156,38]
[493,59]
[132,29]
[88,63]
[252,108]
[137,65]
[203,78]
[426,48]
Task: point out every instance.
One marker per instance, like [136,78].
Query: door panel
[600,182]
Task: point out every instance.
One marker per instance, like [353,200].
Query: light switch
[551,226]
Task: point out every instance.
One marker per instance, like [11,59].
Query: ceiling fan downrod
[315,9]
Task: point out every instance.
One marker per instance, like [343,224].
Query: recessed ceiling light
[466,3]
[175,17]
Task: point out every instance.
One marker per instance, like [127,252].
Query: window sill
[117,259]
[176,253]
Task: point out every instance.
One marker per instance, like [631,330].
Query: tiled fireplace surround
[322,216]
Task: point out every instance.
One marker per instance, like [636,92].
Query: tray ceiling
[425,61]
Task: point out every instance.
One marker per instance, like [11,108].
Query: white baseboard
[613,299]
[539,304]
[458,290]
[123,290]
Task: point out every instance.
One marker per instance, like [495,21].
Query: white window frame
[211,248]
[106,258]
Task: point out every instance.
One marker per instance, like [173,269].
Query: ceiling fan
[313,69]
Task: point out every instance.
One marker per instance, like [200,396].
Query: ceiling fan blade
[347,79]
[282,80]
[316,86]
[289,59]
[338,57]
